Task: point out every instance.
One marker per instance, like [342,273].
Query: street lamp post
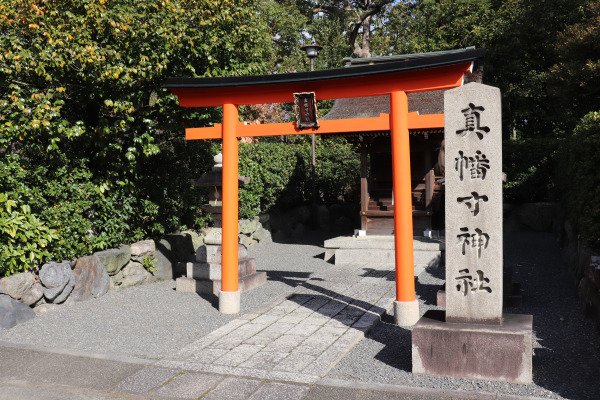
[312,51]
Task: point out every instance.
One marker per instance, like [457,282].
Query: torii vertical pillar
[229,296]
[406,306]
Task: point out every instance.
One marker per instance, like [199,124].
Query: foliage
[428,25]
[282,173]
[24,237]
[148,263]
[579,178]
[97,143]
[573,80]
[529,165]
[342,28]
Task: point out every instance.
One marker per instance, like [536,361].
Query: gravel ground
[153,321]
[566,363]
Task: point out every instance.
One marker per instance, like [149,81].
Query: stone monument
[203,270]
[473,338]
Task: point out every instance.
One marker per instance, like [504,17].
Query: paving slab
[298,337]
[146,380]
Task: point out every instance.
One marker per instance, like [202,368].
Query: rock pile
[93,276]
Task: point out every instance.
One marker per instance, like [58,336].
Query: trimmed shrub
[579,177]
[529,165]
[282,174]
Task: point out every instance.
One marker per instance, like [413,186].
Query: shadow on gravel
[567,354]
[290,278]
[311,237]
[397,343]
[566,357]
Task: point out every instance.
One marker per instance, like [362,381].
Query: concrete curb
[453,393]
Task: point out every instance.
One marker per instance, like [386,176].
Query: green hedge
[56,208]
[579,178]
[529,165]
[282,175]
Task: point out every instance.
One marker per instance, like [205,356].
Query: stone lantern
[214,181]
[203,271]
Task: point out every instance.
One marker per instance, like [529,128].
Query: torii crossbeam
[420,72]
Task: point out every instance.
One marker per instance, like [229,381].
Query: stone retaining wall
[113,269]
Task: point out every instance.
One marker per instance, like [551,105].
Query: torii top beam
[435,71]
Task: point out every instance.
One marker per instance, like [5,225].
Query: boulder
[33,295]
[12,312]
[17,285]
[262,235]
[299,232]
[181,246]
[537,216]
[91,279]
[593,270]
[197,239]
[164,260]
[58,281]
[248,226]
[342,224]
[133,274]
[281,236]
[323,217]
[139,250]
[301,214]
[247,241]
[588,295]
[114,259]
[213,236]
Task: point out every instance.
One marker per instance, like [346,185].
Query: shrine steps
[346,250]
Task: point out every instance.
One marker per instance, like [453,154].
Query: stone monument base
[461,350]
[204,286]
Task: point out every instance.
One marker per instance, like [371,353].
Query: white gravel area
[154,321]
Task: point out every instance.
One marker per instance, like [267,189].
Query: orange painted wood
[445,77]
[403,230]
[229,266]
[381,123]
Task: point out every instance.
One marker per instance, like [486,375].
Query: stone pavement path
[298,337]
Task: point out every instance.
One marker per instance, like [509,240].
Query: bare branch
[328,9]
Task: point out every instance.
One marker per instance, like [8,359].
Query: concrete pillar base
[229,302]
[406,313]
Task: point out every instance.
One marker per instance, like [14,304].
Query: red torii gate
[431,71]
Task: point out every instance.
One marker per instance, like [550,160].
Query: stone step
[382,256]
[212,253]
[207,286]
[385,242]
[203,270]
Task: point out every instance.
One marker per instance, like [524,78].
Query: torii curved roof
[429,71]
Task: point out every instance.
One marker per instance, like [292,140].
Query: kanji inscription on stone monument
[473,136]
